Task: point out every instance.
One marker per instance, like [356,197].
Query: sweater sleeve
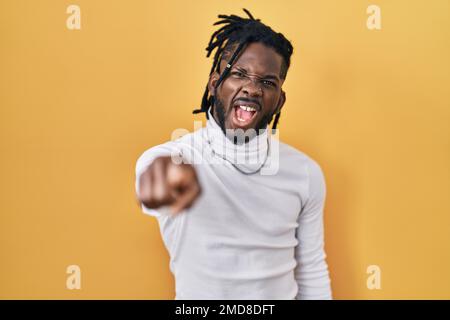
[143,162]
[311,272]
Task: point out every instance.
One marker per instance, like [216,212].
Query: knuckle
[149,202]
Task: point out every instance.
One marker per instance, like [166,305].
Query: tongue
[244,115]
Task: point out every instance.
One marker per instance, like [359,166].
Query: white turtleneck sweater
[248,236]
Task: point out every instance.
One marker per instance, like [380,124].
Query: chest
[233,203]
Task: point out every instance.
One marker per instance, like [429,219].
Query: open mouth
[244,114]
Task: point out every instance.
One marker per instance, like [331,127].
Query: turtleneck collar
[247,157]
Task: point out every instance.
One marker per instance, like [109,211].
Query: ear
[281,101]
[212,82]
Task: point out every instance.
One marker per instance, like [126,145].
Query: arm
[311,272]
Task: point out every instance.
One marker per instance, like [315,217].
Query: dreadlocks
[237,33]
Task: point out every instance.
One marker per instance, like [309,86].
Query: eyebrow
[268,76]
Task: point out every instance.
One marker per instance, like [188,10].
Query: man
[233,230]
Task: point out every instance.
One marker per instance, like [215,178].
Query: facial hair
[222,115]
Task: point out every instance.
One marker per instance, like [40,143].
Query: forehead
[261,59]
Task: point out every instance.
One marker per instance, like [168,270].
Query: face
[251,93]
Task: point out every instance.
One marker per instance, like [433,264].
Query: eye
[269,83]
[237,74]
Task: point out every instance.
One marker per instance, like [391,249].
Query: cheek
[228,92]
[271,102]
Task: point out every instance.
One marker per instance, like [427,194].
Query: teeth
[247,108]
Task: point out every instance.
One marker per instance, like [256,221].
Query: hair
[229,40]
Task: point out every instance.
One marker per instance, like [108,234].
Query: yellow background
[78,107]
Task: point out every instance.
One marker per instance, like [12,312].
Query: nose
[251,88]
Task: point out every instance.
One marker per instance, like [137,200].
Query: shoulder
[311,174]
[299,161]
[299,158]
